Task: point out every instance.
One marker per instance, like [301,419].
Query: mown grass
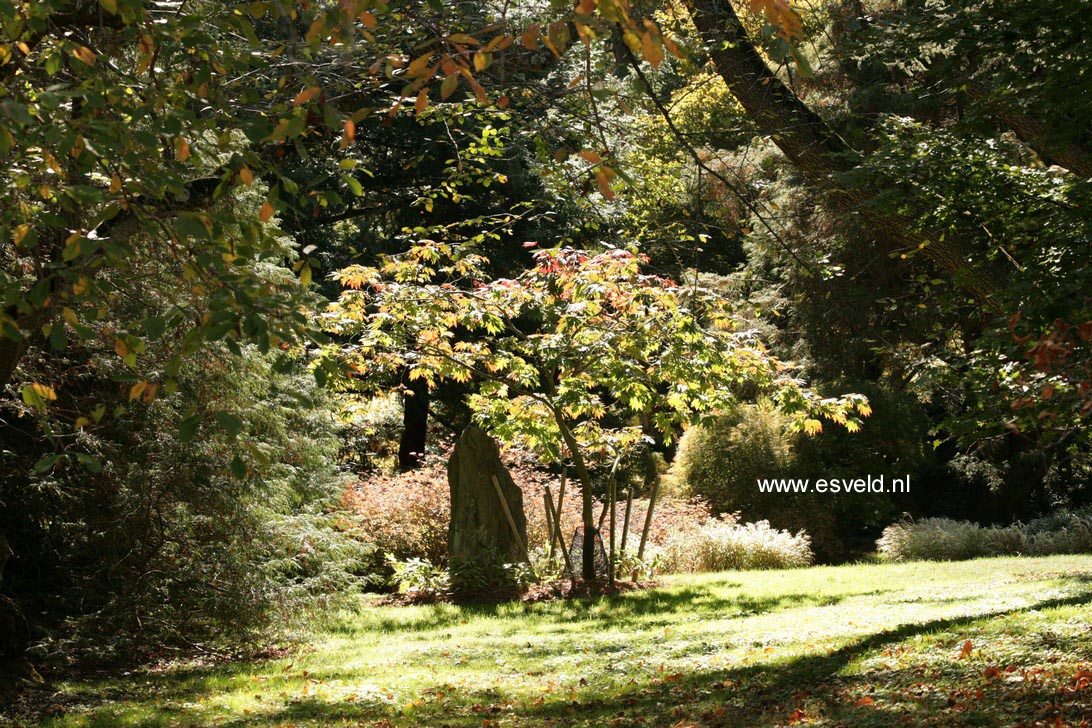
[988,642]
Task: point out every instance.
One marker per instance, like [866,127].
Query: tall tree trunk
[1071,155]
[11,352]
[411,446]
[14,635]
[815,149]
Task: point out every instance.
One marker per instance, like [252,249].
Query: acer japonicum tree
[558,354]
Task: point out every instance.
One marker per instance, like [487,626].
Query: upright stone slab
[479,527]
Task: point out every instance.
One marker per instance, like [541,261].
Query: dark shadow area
[631,607]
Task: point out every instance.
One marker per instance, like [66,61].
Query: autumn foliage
[406,515]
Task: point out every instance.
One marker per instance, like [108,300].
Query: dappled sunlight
[860,645]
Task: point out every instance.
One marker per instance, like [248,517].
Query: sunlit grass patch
[985,642]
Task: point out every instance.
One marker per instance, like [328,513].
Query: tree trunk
[1073,155]
[815,149]
[11,352]
[587,512]
[415,401]
[14,635]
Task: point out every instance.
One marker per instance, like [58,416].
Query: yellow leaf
[115,184]
[422,101]
[44,391]
[813,427]
[136,390]
[181,149]
[266,212]
[110,5]
[482,60]
[82,422]
[418,65]
[305,275]
[463,39]
[449,85]
[85,54]
[121,349]
[368,20]
[246,176]
[864,409]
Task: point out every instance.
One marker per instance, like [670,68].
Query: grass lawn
[989,642]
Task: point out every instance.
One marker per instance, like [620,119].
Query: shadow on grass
[769,693]
[766,693]
[646,608]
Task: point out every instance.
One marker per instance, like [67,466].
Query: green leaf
[802,63]
[58,338]
[231,424]
[188,225]
[354,185]
[154,326]
[238,467]
[188,429]
[46,463]
[91,464]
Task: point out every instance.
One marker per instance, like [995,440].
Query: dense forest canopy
[228,229]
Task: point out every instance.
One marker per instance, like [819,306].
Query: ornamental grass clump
[721,544]
[942,539]
[932,539]
[1062,532]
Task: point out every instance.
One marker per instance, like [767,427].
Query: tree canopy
[227,229]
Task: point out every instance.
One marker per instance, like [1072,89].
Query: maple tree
[580,355]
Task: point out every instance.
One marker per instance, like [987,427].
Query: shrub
[417,576]
[942,539]
[1062,532]
[721,462]
[407,514]
[164,539]
[722,543]
[403,515]
[935,539]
